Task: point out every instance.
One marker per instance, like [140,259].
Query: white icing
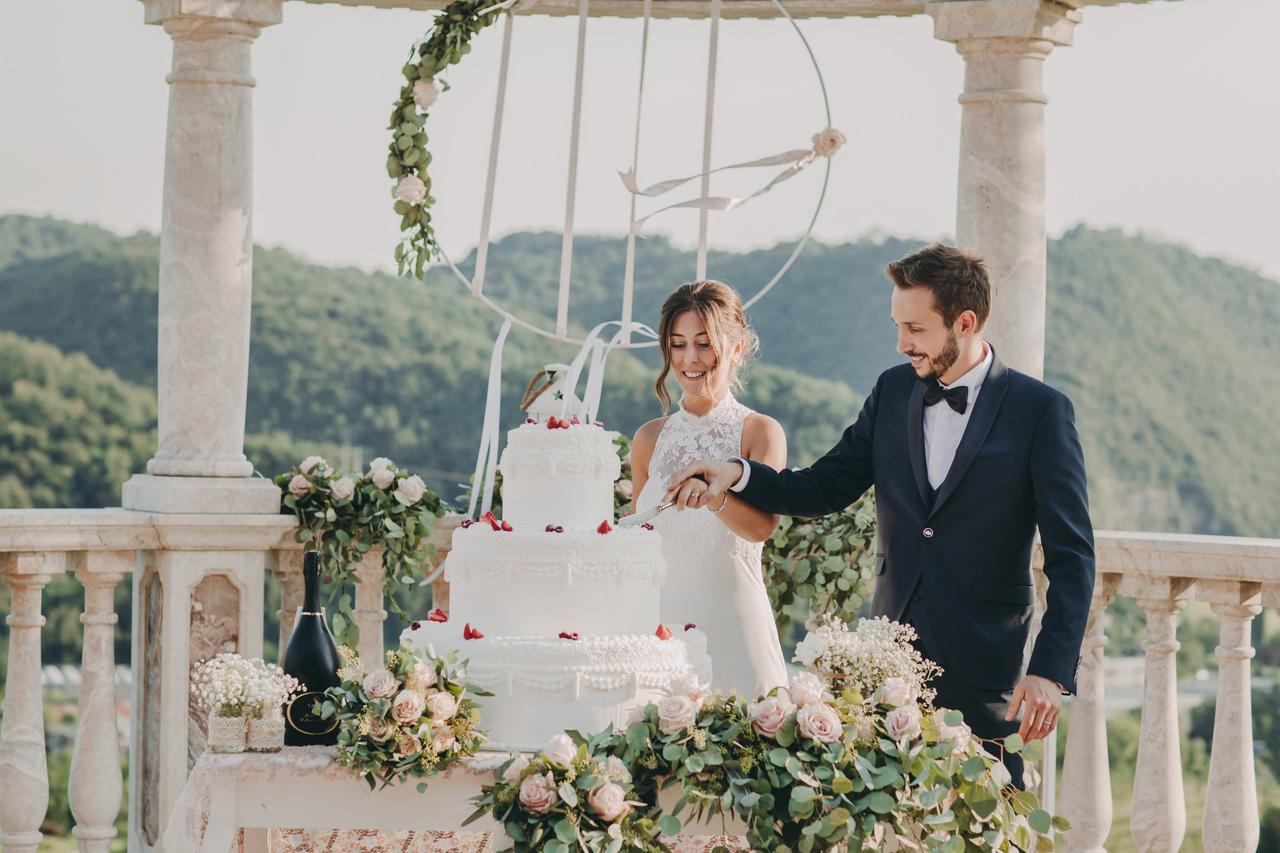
[534,583]
[559,477]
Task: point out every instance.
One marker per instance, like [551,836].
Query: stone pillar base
[243,495]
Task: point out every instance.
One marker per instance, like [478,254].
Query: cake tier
[559,477]
[544,685]
[531,582]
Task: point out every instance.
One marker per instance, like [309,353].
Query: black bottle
[311,658]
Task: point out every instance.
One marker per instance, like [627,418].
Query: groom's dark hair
[958,280]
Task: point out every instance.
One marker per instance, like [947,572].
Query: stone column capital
[255,13]
[966,22]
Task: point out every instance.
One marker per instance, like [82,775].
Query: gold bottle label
[302,715]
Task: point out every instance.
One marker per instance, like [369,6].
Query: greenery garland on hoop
[448,40]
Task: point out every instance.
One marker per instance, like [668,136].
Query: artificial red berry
[506,525]
[415,625]
[689,626]
[648,526]
[604,527]
[566,635]
[663,632]
[553,422]
[559,529]
[575,421]
[437,615]
[469,633]
[467,522]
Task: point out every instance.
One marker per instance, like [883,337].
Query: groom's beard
[942,362]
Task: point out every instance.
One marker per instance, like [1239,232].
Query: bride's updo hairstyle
[720,309]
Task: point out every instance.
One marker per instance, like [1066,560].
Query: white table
[234,802]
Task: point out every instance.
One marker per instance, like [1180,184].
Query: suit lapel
[975,432]
[915,442]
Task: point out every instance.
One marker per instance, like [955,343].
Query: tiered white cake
[567,604]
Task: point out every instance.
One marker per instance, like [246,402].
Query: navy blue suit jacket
[1019,466]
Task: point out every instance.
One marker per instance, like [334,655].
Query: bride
[714,574]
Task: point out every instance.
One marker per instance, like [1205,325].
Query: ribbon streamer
[487,455]
[518,5]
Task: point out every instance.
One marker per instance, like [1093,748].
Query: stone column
[24,772]
[1000,198]
[206,263]
[97,785]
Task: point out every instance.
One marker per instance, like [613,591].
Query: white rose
[442,705]
[515,768]
[311,462]
[617,770]
[342,489]
[828,142]
[811,648]
[903,721]
[768,715]
[408,706]
[538,793]
[425,93]
[807,688]
[958,734]
[382,477]
[561,750]
[820,722]
[608,801]
[379,684]
[625,488]
[299,486]
[412,489]
[443,740]
[379,464]
[422,679]
[411,190]
[896,691]
[676,713]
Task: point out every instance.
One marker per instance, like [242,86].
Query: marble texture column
[1231,799]
[206,263]
[1084,796]
[1000,201]
[287,570]
[24,772]
[369,613]
[1158,818]
[97,784]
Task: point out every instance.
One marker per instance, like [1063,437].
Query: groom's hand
[1040,701]
[687,491]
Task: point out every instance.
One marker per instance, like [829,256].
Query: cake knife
[646,516]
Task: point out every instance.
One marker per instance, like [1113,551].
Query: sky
[1163,118]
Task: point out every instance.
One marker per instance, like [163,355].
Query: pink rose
[625,488]
[561,750]
[807,688]
[382,477]
[443,740]
[828,142]
[412,489]
[411,190]
[307,465]
[676,713]
[380,463]
[407,706]
[422,678]
[442,705]
[819,721]
[617,770]
[903,722]
[381,730]
[515,768]
[608,801]
[768,715]
[380,684]
[407,744]
[425,93]
[342,489]
[299,486]
[896,691]
[958,734]
[538,793]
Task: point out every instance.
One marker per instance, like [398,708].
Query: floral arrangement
[345,518]
[572,795]
[411,717]
[228,685]
[813,765]
[877,658]
[448,40]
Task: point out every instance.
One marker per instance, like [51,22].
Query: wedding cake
[554,607]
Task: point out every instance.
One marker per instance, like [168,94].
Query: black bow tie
[957,397]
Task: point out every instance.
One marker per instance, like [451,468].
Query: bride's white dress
[714,577]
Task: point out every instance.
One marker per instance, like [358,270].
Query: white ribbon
[518,5]
[487,455]
[798,158]
[595,348]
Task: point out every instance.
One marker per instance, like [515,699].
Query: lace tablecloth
[226,792]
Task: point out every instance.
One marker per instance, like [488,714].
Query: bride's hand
[703,482]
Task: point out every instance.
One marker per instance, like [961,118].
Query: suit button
[928,533]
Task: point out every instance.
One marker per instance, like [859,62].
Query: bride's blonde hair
[720,309]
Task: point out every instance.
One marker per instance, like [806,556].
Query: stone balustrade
[179,618]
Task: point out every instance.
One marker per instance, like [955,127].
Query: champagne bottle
[311,658]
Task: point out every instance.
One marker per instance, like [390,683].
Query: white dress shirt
[944,426]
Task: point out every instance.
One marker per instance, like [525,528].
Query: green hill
[1165,353]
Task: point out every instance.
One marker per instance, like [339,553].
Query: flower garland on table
[345,518]
[870,764]
[412,717]
[448,40]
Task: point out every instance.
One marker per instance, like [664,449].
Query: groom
[968,458]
